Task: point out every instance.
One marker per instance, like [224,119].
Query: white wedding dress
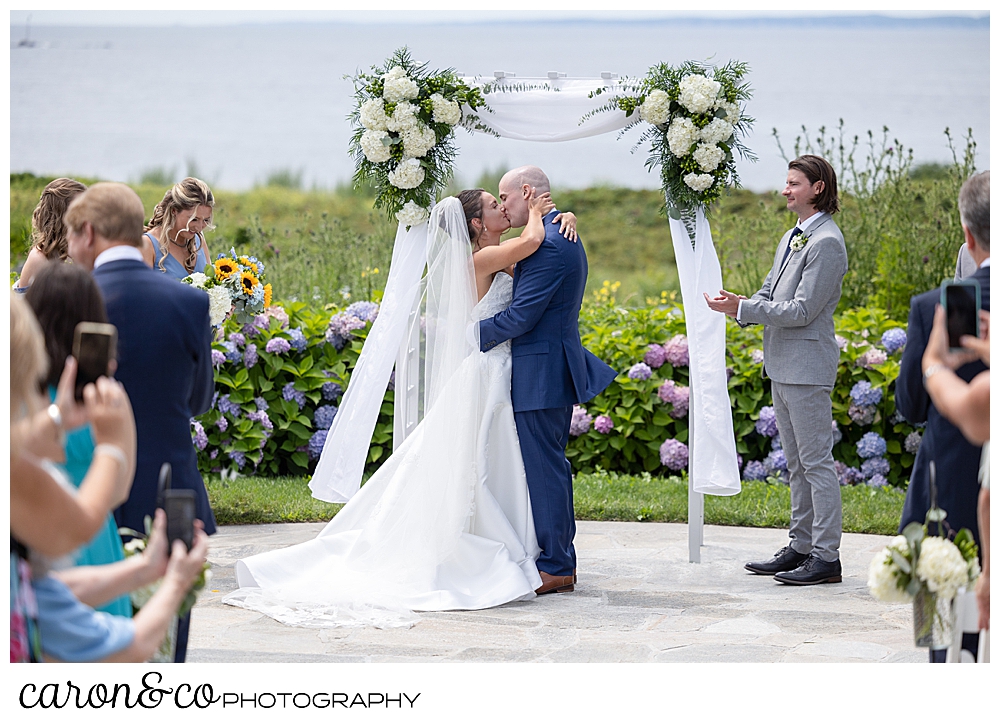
[444,524]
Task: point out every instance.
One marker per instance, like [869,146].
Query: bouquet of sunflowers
[235,285]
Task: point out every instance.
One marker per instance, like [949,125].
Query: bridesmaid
[174,242]
[48,234]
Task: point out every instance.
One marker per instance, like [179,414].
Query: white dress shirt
[121,252]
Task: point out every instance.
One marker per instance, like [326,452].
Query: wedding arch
[403,142]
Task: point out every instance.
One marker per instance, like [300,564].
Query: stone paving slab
[638,600]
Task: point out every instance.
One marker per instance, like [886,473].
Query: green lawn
[600,496]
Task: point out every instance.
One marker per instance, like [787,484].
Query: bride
[445,523]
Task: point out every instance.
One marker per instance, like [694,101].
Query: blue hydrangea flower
[277,345]
[237,338]
[392,382]
[912,443]
[261,417]
[877,480]
[289,392]
[298,342]
[580,421]
[227,406]
[861,415]
[332,391]
[776,442]
[640,371]
[875,465]
[864,395]
[316,443]
[673,454]
[233,354]
[261,404]
[364,310]
[767,424]
[847,475]
[324,415]
[776,462]
[198,435]
[222,423]
[871,445]
[754,471]
[893,340]
[239,458]
[250,355]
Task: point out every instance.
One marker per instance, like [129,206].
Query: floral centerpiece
[694,124]
[929,571]
[404,123]
[235,285]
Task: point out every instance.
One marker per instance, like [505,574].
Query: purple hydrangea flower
[841,341]
[837,434]
[580,422]
[298,342]
[874,466]
[871,358]
[893,340]
[877,480]
[341,327]
[316,442]
[289,392]
[237,338]
[239,458]
[776,442]
[676,351]
[199,437]
[250,355]
[218,358]
[277,345]
[754,471]
[364,310]
[251,330]
[233,354]
[912,442]
[767,423]
[674,454]
[871,445]
[227,406]
[739,461]
[861,415]
[640,371]
[757,356]
[222,423]
[864,395]
[332,391]
[273,312]
[261,322]
[261,417]
[775,462]
[261,403]
[603,424]
[679,396]
[213,454]
[392,382]
[324,415]
[729,373]
[655,356]
[847,475]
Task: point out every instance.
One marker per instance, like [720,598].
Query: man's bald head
[515,189]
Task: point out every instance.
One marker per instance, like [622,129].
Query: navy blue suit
[165,365]
[551,372]
[955,459]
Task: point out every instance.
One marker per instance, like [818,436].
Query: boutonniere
[799,242]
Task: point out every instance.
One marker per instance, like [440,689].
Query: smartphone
[180,508]
[961,302]
[94,346]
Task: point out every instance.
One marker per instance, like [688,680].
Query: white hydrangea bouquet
[404,124]
[929,571]
[694,125]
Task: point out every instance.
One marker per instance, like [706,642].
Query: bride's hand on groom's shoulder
[567,224]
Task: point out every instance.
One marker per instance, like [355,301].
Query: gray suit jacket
[796,305]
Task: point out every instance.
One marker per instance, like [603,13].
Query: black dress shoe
[812,572]
[784,560]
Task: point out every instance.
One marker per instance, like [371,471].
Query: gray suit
[796,305]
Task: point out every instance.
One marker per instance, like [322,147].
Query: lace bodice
[497,298]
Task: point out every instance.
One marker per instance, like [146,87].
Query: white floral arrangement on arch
[404,123]
[695,125]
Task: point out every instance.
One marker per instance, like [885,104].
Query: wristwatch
[56,416]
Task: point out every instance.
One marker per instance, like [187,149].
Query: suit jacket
[165,365]
[955,459]
[796,305]
[550,367]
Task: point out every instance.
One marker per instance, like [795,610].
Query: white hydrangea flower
[882,579]
[656,108]
[408,174]
[417,141]
[699,181]
[942,567]
[403,118]
[397,85]
[411,214]
[375,150]
[732,111]
[681,135]
[219,304]
[373,115]
[708,156]
[197,280]
[698,94]
[717,131]
[445,111]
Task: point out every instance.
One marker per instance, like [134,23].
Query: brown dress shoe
[554,583]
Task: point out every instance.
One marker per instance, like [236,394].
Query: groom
[551,372]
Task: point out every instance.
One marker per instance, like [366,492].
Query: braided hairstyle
[48,232]
[189,193]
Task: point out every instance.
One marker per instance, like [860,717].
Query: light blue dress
[174,267]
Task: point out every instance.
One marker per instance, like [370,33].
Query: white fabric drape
[713,459]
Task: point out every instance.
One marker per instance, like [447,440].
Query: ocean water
[241,102]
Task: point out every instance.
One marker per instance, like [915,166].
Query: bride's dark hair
[472,204]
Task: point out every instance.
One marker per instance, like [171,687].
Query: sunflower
[250,264]
[248,282]
[267,295]
[224,268]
